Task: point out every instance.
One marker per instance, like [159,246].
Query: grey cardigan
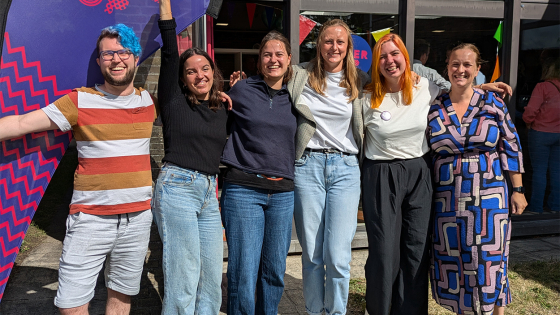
[306,123]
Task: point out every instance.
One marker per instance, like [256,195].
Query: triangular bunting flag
[380,33]
[231,9]
[269,13]
[497,36]
[497,73]
[251,12]
[305,27]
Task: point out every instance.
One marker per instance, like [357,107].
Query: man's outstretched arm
[18,125]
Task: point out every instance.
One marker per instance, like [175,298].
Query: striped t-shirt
[113,139]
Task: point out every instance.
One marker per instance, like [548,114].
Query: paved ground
[33,285]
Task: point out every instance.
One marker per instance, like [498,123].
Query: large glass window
[238,32]
[539,50]
[443,33]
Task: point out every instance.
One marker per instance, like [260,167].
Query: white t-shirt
[333,114]
[395,130]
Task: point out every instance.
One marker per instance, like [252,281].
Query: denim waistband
[169,164]
[326,151]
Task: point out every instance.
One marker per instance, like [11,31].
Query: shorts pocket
[72,220]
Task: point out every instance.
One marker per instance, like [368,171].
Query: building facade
[531,32]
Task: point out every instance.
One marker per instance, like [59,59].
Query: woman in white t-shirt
[396,181]
[327,94]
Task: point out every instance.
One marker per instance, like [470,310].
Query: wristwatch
[519,189]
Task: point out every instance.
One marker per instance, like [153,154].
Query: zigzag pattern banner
[48,49]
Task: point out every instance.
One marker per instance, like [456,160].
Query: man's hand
[236,76]
[415,77]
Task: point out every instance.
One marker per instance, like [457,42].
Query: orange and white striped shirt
[113,140]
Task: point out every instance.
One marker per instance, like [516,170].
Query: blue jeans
[544,150]
[258,225]
[186,211]
[327,195]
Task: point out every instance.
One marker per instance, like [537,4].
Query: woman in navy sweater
[184,203]
[257,197]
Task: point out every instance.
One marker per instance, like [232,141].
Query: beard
[129,76]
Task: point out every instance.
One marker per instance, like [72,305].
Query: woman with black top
[184,203]
[258,193]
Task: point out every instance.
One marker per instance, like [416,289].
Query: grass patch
[535,288]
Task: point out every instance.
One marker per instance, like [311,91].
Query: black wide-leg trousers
[396,201]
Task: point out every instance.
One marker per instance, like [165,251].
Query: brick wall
[148,301]
[147,77]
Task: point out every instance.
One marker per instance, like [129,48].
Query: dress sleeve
[509,147]
[535,102]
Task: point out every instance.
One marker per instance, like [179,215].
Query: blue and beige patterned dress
[471,227]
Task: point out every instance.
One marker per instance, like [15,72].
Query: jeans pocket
[303,160]
[351,160]
[178,179]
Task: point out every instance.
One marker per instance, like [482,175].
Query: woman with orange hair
[396,182]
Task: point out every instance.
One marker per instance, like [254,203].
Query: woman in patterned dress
[474,141]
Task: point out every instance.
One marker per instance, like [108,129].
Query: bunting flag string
[251,10]
[497,36]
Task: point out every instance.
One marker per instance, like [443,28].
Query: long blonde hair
[551,69]
[350,79]
[377,85]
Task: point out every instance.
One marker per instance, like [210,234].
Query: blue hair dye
[127,38]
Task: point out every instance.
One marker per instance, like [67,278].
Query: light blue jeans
[186,211]
[327,195]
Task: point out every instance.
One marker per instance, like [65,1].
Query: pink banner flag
[305,26]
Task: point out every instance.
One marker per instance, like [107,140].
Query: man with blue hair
[110,216]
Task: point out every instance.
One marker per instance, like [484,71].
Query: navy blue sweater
[263,130]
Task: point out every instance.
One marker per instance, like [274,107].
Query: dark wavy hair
[215,101]
[275,35]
